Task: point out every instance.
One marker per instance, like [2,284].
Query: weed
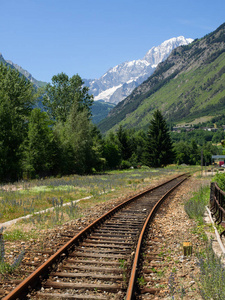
[174,270]
[160,273]
[171,285]
[200,231]
[182,292]
[141,281]
[4,266]
[153,270]
[123,263]
[161,254]
[211,280]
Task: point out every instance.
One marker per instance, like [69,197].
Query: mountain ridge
[202,54]
[36,83]
[118,82]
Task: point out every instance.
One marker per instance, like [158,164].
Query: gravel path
[173,274]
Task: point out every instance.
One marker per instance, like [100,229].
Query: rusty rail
[217,204]
[35,279]
[132,286]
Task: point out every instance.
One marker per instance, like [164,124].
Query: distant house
[210,129]
[184,127]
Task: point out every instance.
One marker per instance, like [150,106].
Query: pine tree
[123,143]
[159,149]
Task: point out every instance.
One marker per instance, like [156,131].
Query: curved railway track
[101,261]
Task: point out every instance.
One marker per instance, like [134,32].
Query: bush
[195,206]
[125,164]
[220,180]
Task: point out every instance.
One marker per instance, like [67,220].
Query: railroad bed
[100,262]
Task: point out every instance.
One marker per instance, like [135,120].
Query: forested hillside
[60,138]
[188,85]
[63,140]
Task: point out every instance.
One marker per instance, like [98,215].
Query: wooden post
[187,246]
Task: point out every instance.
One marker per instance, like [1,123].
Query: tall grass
[211,281]
[195,206]
[24,198]
[211,278]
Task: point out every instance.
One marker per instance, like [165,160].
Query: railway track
[101,261]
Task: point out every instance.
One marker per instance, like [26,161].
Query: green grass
[19,234]
[28,197]
[210,280]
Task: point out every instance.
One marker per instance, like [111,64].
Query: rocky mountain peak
[158,54]
[118,82]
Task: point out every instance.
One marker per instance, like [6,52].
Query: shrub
[220,179]
[125,164]
[195,206]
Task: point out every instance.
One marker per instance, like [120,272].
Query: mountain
[188,85]
[100,110]
[36,82]
[118,82]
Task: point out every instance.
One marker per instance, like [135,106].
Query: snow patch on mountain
[118,82]
[105,95]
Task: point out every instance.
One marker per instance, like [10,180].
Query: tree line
[59,138]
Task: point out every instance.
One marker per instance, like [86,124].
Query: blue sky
[87,37]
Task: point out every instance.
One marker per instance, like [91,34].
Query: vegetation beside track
[210,280]
[104,189]
[28,197]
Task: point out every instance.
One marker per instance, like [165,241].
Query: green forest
[60,138]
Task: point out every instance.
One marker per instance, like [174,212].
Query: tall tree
[111,151]
[159,149]
[76,141]
[16,98]
[40,147]
[62,93]
[68,103]
[123,143]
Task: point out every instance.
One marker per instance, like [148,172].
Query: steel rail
[130,295]
[34,279]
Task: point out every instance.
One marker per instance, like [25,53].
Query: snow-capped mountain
[118,82]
